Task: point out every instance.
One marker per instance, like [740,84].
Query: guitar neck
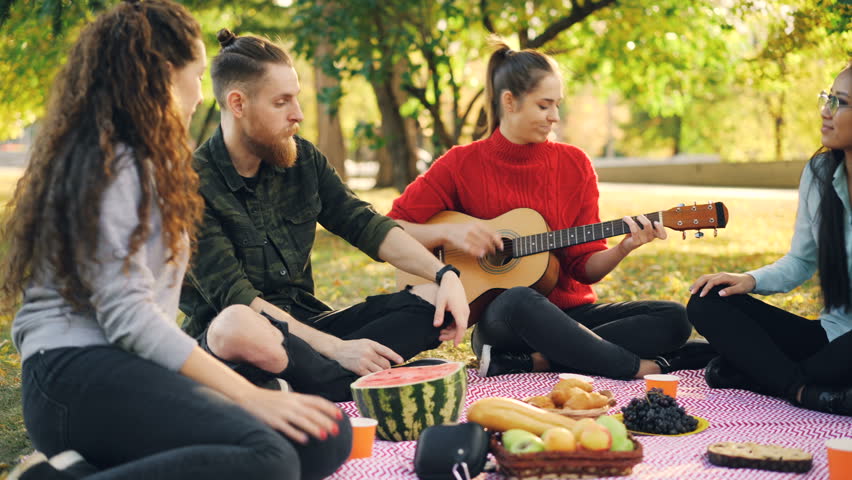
[544,242]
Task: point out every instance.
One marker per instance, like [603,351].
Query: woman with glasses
[771,351]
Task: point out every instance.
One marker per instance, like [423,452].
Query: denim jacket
[800,263]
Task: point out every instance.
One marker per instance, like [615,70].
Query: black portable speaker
[451,452]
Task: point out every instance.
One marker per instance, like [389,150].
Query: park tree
[643,53]
[424,60]
[793,40]
[412,53]
[643,50]
[36,35]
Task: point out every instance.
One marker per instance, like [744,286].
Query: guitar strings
[508,246]
[508,243]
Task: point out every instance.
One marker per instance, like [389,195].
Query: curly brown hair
[115,88]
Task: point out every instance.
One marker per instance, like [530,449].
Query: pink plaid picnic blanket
[734,415]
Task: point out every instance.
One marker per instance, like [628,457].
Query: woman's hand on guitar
[639,236]
[474,238]
[451,298]
[738,283]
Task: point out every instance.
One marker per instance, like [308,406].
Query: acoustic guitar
[527,242]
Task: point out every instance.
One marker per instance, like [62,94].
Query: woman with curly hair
[99,235]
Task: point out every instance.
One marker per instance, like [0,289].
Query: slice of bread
[760,456]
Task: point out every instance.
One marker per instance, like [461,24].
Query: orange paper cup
[839,458]
[666,383]
[363,435]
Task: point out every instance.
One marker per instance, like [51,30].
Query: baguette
[501,414]
[759,456]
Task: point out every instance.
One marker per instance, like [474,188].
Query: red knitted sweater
[489,177]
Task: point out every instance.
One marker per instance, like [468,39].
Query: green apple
[521,441]
[615,427]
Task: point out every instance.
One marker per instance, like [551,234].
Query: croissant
[541,401]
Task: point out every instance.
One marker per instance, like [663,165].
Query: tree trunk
[398,165]
[384,177]
[677,134]
[399,149]
[330,139]
[779,129]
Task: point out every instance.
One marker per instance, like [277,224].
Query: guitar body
[485,278]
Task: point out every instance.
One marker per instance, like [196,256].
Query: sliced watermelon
[406,400]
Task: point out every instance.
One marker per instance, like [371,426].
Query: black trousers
[777,350]
[401,321]
[605,339]
[134,419]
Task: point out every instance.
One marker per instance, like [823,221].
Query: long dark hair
[516,71]
[116,87]
[831,243]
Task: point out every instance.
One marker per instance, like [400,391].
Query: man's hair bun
[225,37]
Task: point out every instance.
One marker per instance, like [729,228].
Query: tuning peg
[715,232]
[684,235]
[681,204]
[699,234]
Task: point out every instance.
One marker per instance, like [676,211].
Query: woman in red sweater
[517,166]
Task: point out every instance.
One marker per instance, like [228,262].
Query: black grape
[657,413]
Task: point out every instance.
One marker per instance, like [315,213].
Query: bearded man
[265,189]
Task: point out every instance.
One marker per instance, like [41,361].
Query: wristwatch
[446,268]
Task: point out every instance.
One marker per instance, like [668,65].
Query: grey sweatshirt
[135,310]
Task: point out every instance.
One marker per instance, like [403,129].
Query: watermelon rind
[406,409]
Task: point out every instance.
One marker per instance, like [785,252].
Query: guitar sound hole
[498,259]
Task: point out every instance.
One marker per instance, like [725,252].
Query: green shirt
[257,242]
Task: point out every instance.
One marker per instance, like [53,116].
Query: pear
[622,445]
[615,426]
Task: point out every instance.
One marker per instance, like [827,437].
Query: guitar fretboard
[544,242]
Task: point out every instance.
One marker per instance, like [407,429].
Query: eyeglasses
[832,102]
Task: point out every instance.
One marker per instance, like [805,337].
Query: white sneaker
[63,460]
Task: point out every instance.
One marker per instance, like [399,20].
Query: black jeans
[777,350]
[134,419]
[401,321]
[606,339]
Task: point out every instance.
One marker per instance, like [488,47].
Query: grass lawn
[758,233]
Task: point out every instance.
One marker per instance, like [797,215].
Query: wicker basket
[578,464]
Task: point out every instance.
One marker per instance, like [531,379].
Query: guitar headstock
[696,217]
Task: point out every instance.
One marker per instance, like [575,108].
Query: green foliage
[30,56]
[366,134]
[423,46]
